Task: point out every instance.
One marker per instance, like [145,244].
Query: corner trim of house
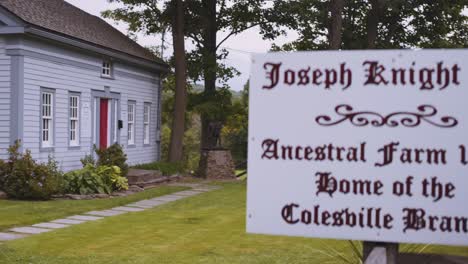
[159,119]
[17,98]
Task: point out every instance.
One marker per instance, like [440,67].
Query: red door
[103,117]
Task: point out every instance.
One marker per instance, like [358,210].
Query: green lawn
[19,213]
[208,228]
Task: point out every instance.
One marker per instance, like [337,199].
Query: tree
[376,24]
[336,23]
[204,19]
[180,102]
[209,18]
[235,132]
[373,22]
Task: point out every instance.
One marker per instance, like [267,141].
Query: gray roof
[64,18]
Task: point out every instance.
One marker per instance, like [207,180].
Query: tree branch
[234,32]
[196,39]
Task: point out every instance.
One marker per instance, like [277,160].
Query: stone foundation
[216,164]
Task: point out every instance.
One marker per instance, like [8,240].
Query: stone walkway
[21,232]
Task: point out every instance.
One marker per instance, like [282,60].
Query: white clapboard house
[69,80]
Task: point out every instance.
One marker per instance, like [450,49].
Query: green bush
[88,159]
[2,173]
[93,180]
[24,178]
[166,168]
[112,176]
[112,156]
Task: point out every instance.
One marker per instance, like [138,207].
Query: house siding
[5,100]
[65,70]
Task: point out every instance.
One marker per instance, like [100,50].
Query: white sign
[362,145]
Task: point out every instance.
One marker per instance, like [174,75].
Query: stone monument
[215,161]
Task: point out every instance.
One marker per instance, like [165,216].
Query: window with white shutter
[131,123]
[74,125]
[47,119]
[146,124]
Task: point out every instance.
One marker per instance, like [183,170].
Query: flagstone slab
[127,209]
[10,236]
[167,198]
[106,213]
[191,185]
[207,189]
[30,230]
[161,202]
[50,225]
[156,202]
[85,217]
[68,221]
[141,206]
[148,203]
[188,193]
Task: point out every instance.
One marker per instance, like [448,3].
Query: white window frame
[74,117]
[47,117]
[106,70]
[131,115]
[146,123]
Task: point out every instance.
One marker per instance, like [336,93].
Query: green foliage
[3,169]
[88,159]
[191,150]
[206,61]
[235,132]
[166,168]
[402,24]
[192,144]
[112,176]
[215,105]
[112,156]
[93,180]
[232,17]
[168,97]
[85,181]
[23,178]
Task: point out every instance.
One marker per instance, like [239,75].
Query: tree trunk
[336,25]
[180,102]
[209,65]
[373,22]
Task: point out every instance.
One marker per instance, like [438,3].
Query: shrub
[88,159]
[112,177]
[92,180]
[112,156]
[166,168]
[2,173]
[23,178]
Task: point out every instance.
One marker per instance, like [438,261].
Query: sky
[240,47]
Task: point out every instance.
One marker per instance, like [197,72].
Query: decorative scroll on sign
[407,119]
